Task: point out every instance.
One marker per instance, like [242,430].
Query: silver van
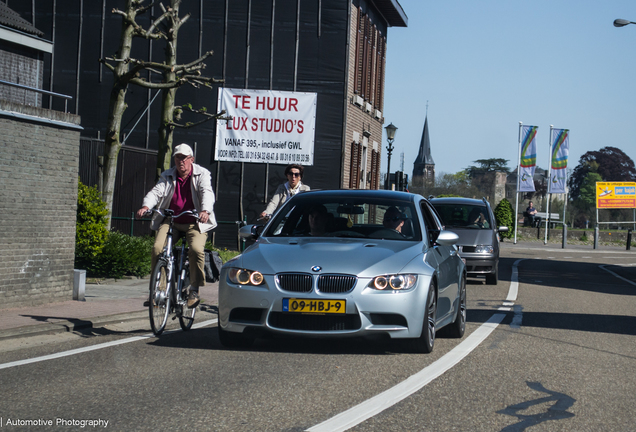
[474,222]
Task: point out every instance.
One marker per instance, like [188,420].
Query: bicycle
[167,294]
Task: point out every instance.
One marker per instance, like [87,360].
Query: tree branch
[217,116]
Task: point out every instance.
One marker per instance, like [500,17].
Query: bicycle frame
[175,273]
[175,269]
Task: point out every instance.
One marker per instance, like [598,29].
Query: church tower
[424,166]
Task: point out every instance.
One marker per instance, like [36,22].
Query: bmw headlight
[393,282]
[245,277]
[484,249]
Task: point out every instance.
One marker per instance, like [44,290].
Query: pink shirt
[182,199]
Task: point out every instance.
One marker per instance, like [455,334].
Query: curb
[66,326]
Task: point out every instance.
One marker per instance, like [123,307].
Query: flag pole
[517,191]
[565,187]
[547,213]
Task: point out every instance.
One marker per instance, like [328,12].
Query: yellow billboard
[616,195]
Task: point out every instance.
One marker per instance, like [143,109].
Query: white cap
[183,149]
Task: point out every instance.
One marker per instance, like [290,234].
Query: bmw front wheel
[426,341]
[458,327]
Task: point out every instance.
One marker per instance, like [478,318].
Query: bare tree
[126,70]
[175,75]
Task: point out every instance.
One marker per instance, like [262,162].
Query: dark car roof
[362,193]
[456,200]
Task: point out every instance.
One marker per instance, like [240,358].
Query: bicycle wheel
[186,317]
[159,307]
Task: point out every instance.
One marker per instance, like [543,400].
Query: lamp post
[390,136]
[622,23]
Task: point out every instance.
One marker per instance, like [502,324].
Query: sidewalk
[108,302]
[539,244]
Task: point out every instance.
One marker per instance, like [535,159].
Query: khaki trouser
[196,255]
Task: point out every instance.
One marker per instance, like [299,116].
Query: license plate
[308,306]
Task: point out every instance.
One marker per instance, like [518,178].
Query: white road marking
[371,407]
[517,318]
[379,403]
[96,347]
[513,291]
[618,276]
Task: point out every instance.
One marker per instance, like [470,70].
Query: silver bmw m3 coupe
[346,263]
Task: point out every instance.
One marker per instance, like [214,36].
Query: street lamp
[390,136]
[622,22]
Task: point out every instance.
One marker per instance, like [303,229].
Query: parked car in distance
[474,222]
[340,263]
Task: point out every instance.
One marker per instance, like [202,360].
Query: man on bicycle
[186,186]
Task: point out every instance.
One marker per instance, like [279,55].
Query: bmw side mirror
[447,238]
[502,229]
[250,231]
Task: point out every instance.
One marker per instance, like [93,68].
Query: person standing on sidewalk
[291,187]
[186,186]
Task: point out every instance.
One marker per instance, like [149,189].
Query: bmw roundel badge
[316,268]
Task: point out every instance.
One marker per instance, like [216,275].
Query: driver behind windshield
[394,219]
[476,217]
[318,220]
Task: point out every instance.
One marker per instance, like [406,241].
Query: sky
[484,66]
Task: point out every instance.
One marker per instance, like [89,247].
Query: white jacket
[280,196]
[161,195]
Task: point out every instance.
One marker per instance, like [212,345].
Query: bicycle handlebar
[167,213]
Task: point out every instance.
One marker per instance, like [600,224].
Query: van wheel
[491,279]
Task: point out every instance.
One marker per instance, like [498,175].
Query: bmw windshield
[335,215]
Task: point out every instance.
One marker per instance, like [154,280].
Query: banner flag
[560,151]
[267,126]
[528,159]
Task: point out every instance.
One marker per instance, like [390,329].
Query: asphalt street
[562,358]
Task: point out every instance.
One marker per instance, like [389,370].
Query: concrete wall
[39,156]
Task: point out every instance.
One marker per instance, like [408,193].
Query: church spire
[424,155]
[424,165]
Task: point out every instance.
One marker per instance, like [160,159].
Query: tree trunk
[166,127]
[117,106]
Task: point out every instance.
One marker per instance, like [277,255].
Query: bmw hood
[364,258]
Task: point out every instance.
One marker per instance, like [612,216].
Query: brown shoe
[193,299]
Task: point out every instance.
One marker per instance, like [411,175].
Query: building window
[370,61]
[354,169]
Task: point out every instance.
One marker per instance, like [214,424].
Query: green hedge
[504,214]
[122,255]
[90,226]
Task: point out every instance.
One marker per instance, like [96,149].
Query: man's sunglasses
[294,174]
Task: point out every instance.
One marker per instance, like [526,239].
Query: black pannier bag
[213,264]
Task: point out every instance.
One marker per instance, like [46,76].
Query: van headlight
[484,249]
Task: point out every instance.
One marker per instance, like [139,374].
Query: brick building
[38,173]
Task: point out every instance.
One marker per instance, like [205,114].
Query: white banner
[267,126]
[560,151]
[528,159]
